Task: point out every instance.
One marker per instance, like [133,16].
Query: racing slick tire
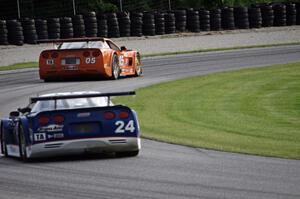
[127,153]
[3,144]
[115,67]
[138,70]
[22,145]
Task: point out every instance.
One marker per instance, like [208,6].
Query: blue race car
[71,123]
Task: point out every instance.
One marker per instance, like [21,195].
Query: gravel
[172,43]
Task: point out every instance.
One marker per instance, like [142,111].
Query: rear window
[79,45]
[48,105]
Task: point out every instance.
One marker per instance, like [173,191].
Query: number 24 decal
[122,126]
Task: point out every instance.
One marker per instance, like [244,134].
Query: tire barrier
[193,24]
[90,23]
[159,23]
[298,13]
[53,28]
[170,27]
[180,20]
[267,14]
[204,19]
[41,28]
[124,24]
[255,18]
[241,17]
[15,32]
[148,24]
[3,33]
[136,24]
[29,31]
[279,14]
[227,18]
[215,20]
[66,28]
[78,26]
[113,30]
[102,25]
[291,14]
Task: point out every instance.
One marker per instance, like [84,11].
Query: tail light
[123,115]
[54,55]
[86,53]
[45,55]
[109,115]
[96,53]
[58,119]
[43,120]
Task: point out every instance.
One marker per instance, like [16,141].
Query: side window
[112,45]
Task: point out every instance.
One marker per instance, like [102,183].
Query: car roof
[69,93]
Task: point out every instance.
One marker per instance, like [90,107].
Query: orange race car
[87,57]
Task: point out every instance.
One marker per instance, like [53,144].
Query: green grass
[253,111]
[19,66]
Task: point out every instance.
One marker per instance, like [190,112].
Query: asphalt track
[161,170]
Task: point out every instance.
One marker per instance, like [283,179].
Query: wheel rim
[22,144]
[115,68]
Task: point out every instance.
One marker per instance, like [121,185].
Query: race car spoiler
[84,39]
[44,98]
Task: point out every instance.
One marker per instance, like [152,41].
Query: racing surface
[161,170]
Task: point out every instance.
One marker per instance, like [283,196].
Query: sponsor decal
[40,137]
[87,114]
[51,128]
[56,136]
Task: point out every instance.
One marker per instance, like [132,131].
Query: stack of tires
[66,28]
[170,27]
[124,24]
[267,14]
[136,24]
[204,19]
[113,25]
[159,23]
[148,24]
[180,20]
[227,18]
[3,33]
[279,14]
[102,25]
[15,32]
[53,28]
[298,13]
[255,18]
[29,31]
[291,14]
[78,26]
[215,20]
[90,23]
[241,17]
[193,24]
[41,29]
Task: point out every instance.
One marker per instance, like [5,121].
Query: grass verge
[252,111]
[19,66]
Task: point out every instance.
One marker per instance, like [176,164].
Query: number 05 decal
[122,126]
[90,60]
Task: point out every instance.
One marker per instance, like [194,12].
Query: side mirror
[24,110]
[123,48]
[14,114]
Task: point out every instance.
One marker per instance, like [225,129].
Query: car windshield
[48,105]
[79,45]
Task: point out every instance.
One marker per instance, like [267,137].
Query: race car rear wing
[108,95]
[84,39]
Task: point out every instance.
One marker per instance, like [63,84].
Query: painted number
[90,60]
[40,136]
[122,127]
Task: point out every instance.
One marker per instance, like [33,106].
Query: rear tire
[115,67]
[22,145]
[138,70]
[3,144]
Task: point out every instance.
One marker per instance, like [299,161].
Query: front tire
[3,143]
[22,145]
[115,67]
